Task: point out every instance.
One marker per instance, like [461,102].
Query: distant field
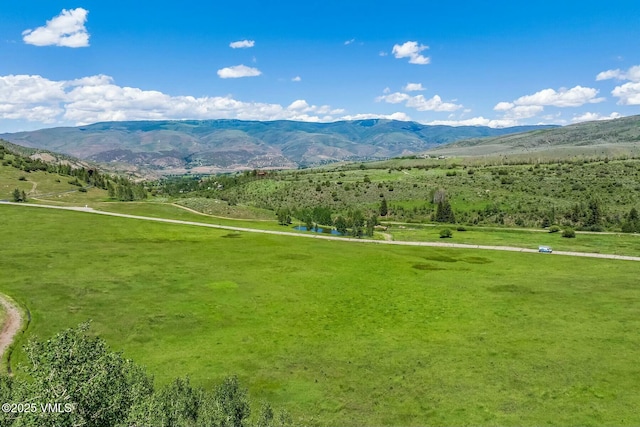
[341,334]
[616,244]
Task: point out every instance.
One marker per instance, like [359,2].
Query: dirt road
[323,237]
[12,324]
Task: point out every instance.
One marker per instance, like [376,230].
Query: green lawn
[616,244]
[341,333]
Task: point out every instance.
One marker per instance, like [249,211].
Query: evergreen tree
[17,196]
[444,213]
[383,207]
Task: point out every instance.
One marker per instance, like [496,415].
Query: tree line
[118,187]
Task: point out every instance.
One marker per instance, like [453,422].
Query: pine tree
[444,213]
[17,196]
[383,207]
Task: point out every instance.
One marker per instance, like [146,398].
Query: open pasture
[341,333]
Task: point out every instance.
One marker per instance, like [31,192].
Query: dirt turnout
[11,325]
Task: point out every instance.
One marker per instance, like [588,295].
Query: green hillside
[614,138]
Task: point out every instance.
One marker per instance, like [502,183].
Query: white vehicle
[545,249]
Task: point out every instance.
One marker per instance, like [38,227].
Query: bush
[445,233]
[461,228]
[554,229]
[22,178]
[569,233]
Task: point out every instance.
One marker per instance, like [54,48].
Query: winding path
[11,325]
[322,237]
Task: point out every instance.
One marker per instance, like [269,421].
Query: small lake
[319,230]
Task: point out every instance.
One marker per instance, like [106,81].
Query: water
[319,230]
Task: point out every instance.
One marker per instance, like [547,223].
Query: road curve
[319,236]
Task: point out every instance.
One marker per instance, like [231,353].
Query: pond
[318,230]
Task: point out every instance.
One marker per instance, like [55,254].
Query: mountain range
[206,146]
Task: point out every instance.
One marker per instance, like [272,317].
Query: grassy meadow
[484,192]
[340,333]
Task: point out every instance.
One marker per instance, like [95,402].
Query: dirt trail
[12,324]
[218,216]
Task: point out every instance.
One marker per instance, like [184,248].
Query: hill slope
[618,136]
[175,146]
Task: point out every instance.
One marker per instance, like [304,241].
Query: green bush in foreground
[554,229]
[445,233]
[569,233]
[93,386]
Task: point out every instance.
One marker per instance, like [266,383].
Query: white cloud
[382,53]
[412,51]
[574,97]
[476,121]
[238,71]
[523,111]
[412,87]
[97,98]
[394,98]
[242,44]
[435,103]
[365,116]
[632,74]
[66,29]
[610,74]
[299,104]
[627,94]
[529,106]
[296,79]
[503,106]
[348,42]
[419,102]
[589,117]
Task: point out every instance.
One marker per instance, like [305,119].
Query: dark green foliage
[446,233]
[444,213]
[568,233]
[97,387]
[371,224]
[632,224]
[554,229]
[384,210]
[341,225]
[284,216]
[17,196]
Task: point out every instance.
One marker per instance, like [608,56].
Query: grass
[341,334]
[616,244]
[480,193]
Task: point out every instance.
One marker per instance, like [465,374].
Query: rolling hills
[608,137]
[226,145]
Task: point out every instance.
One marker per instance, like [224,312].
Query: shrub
[554,229]
[461,228]
[445,233]
[22,178]
[569,233]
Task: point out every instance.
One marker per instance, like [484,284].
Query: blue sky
[494,63]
